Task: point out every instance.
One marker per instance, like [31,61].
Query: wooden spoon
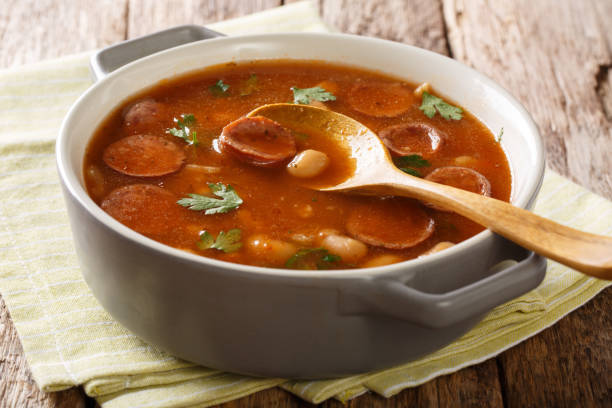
[375,174]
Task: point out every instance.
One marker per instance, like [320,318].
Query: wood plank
[32,30]
[556,59]
[567,365]
[147,16]
[418,23]
[475,386]
[471,387]
[17,388]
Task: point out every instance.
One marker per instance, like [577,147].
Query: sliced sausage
[258,141]
[395,223]
[412,138]
[380,99]
[144,156]
[145,208]
[460,177]
[144,112]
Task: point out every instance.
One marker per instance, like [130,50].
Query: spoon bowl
[375,174]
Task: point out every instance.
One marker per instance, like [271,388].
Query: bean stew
[181,164]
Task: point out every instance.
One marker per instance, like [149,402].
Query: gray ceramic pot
[286,323]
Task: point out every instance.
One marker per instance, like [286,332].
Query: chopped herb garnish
[310,258]
[432,104]
[229,200]
[330,258]
[184,130]
[408,164]
[219,88]
[249,86]
[412,172]
[412,160]
[226,242]
[498,139]
[305,95]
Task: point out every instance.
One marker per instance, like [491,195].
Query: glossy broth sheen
[275,206]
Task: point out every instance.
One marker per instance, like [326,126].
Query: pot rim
[74,187]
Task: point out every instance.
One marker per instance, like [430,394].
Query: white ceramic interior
[145,284]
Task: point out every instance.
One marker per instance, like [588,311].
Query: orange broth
[274,203]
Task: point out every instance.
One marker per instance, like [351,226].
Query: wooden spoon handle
[588,253]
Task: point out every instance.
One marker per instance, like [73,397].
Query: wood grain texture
[147,16]
[475,387]
[17,388]
[553,56]
[32,30]
[417,23]
[567,365]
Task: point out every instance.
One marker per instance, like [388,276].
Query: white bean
[96,181]
[273,251]
[324,233]
[424,87]
[440,246]
[308,163]
[349,249]
[302,239]
[202,169]
[465,161]
[382,260]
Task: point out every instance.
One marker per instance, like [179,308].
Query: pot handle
[394,299]
[110,58]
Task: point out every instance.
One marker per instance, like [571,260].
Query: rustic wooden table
[553,55]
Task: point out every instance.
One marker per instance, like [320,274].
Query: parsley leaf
[226,242]
[408,164]
[309,258]
[412,172]
[305,95]
[498,139]
[185,124]
[229,200]
[412,160]
[219,88]
[432,103]
[249,86]
[331,258]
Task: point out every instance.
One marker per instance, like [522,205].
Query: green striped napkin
[70,340]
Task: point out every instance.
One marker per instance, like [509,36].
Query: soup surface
[179,164]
